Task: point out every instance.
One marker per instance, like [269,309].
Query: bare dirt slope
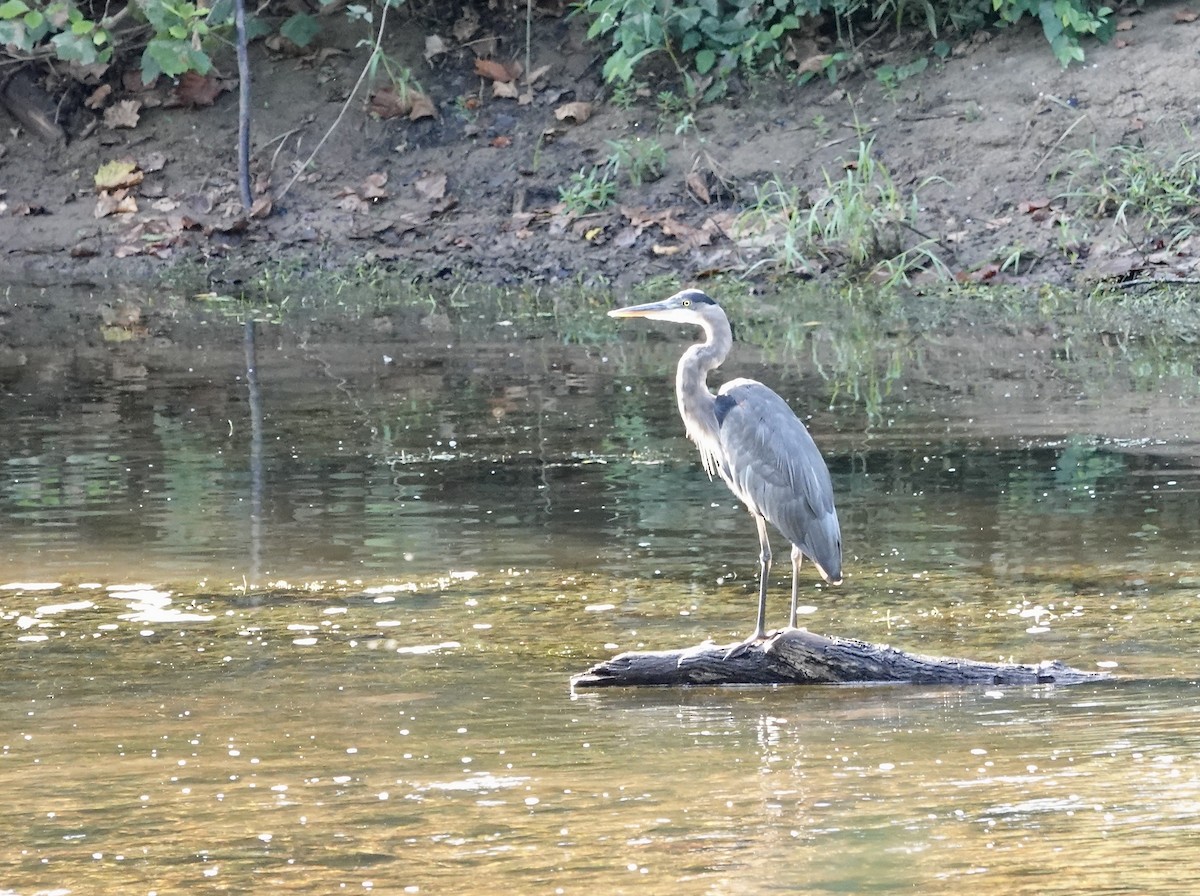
[472,193]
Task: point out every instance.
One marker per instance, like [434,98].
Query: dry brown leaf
[505,90]
[179,223]
[1029,206]
[981,275]
[626,238]
[118,202]
[537,74]
[490,68]
[431,186]
[485,47]
[1185,16]
[260,207]
[725,223]
[814,64]
[434,46]
[387,103]
[372,187]
[197,90]
[368,228]
[118,174]
[1124,25]
[98,97]
[277,43]
[127,205]
[639,218]
[467,25]
[24,210]
[124,114]
[682,230]
[658,249]
[132,81]
[91,73]
[120,334]
[351,202]
[501,141]
[422,106]
[699,187]
[579,112]
[154,161]
[411,221]
[123,314]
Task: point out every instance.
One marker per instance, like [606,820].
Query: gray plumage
[749,437]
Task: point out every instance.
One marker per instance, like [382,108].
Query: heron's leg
[764,575]
[797,559]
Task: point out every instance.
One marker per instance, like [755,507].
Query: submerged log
[798,656]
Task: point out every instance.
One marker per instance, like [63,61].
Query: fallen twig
[362,76]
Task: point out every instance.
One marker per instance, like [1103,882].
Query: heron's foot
[738,649]
[773,639]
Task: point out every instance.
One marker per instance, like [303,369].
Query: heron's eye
[687,303]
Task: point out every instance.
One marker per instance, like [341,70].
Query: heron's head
[689,306]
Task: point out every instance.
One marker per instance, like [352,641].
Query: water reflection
[339,659]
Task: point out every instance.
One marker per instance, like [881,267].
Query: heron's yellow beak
[648,310]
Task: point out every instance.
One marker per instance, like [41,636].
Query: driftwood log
[32,106]
[798,656]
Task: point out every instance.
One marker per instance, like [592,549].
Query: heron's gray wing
[771,463]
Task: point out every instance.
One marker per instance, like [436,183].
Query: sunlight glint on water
[346,669]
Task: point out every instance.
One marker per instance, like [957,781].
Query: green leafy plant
[1018,259]
[1151,196]
[705,40]
[675,112]
[625,94]
[640,160]
[588,190]
[861,220]
[177,46]
[60,27]
[67,32]
[1063,22]
[670,104]
[175,36]
[831,67]
[890,77]
[398,75]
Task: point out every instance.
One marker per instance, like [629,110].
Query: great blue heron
[749,435]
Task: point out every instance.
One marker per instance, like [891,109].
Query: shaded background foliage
[705,41]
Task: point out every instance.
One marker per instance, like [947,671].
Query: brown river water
[294,608]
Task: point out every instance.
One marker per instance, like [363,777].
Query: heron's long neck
[696,403]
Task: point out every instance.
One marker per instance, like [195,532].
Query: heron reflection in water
[749,436]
